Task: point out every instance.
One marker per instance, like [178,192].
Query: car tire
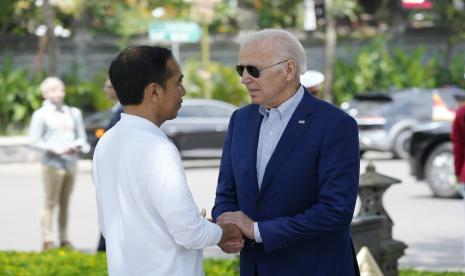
[439,171]
[401,144]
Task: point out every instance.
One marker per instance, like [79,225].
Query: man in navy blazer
[289,170]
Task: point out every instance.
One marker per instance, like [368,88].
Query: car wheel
[439,171]
[402,144]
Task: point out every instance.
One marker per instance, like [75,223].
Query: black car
[198,131]
[431,158]
[386,119]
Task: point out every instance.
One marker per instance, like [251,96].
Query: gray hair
[49,83]
[285,45]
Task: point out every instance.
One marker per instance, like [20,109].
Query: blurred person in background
[312,80]
[116,111]
[458,143]
[57,130]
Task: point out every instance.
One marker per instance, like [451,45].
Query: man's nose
[183,91]
[246,77]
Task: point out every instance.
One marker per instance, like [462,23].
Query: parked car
[386,119]
[431,158]
[198,130]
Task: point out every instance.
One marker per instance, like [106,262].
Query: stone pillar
[387,251]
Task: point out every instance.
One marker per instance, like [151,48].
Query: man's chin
[256,100]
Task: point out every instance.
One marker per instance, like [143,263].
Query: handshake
[235,226]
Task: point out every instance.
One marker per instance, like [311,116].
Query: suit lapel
[254,131]
[293,132]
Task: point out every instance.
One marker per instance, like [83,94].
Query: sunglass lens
[253,71]
[240,69]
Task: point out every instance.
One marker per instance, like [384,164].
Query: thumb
[203,212]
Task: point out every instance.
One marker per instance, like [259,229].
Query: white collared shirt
[146,211]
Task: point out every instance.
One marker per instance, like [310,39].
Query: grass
[59,262]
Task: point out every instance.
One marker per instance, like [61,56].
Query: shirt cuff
[256,233]
[217,233]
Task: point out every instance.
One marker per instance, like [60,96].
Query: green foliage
[75,263]
[375,67]
[223,80]
[447,15]
[277,13]
[53,262]
[457,70]
[86,95]
[19,97]
[411,272]
[223,267]
[348,8]
[224,19]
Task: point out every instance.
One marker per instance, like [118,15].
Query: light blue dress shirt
[54,127]
[274,122]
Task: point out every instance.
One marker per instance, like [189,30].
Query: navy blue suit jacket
[307,198]
[115,117]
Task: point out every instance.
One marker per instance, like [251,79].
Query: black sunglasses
[253,70]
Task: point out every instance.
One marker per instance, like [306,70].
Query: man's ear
[290,69]
[152,91]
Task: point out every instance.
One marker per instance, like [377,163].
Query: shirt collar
[286,107]
[141,123]
[49,104]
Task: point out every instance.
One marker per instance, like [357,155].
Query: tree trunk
[53,47]
[330,49]
[41,49]
[81,38]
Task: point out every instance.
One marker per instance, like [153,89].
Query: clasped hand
[243,222]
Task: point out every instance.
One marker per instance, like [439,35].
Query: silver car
[386,119]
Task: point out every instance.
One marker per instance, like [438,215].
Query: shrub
[74,263]
[375,67]
[223,81]
[70,262]
[19,97]
[53,262]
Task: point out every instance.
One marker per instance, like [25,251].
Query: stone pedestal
[373,226]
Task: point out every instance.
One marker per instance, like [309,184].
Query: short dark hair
[134,68]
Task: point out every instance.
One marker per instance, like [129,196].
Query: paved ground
[432,228]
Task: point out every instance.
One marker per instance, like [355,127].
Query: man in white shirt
[146,211]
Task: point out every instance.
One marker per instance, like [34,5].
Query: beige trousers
[58,185]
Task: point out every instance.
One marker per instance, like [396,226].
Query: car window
[448,97]
[422,107]
[191,111]
[214,111]
[204,111]
[361,108]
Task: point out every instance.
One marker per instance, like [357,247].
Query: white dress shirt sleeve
[173,201]
[95,178]
[256,233]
